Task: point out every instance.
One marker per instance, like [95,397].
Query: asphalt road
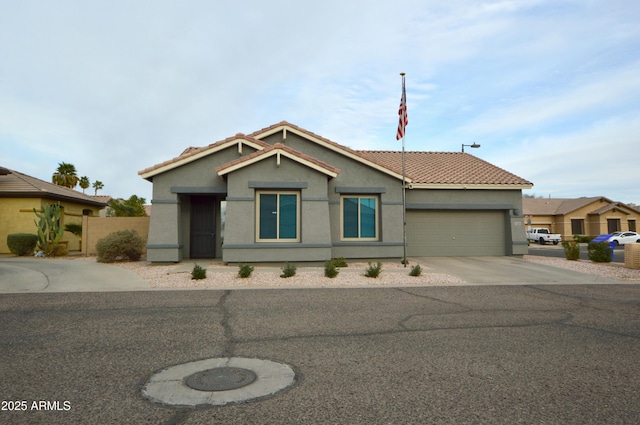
[553,354]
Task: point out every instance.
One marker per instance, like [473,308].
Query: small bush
[330,269]
[415,270]
[339,262]
[245,270]
[74,228]
[121,245]
[582,238]
[571,250]
[403,260]
[22,243]
[198,272]
[373,270]
[599,252]
[288,270]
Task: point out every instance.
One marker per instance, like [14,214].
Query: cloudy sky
[550,89]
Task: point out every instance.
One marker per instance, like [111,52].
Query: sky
[550,89]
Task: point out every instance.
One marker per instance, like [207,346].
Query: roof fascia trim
[332,147]
[271,153]
[202,154]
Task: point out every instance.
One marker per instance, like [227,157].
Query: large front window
[359,217]
[277,216]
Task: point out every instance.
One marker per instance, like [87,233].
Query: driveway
[28,274]
[508,271]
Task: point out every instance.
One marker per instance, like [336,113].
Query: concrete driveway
[28,274]
[508,271]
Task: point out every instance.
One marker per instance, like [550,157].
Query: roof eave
[472,186]
[149,173]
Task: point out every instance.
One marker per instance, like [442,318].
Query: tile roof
[427,168]
[17,185]
[562,206]
[278,146]
[446,168]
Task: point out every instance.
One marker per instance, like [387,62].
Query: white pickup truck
[542,236]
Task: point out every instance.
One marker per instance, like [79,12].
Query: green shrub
[415,270]
[198,272]
[288,270]
[74,228]
[373,270]
[245,270]
[339,262]
[22,243]
[571,250]
[582,238]
[330,269]
[599,252]
[403,260]
[121,245]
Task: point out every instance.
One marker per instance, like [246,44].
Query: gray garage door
[455,233]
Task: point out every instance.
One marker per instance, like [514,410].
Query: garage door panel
[455,233]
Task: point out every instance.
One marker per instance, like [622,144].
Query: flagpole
[404,197]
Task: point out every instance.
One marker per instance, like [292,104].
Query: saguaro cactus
[49,230]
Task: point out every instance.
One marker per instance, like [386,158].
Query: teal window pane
[288,216]
[268,216]
[367,217]
[350,218]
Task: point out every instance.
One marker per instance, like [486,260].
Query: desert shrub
[330,269]
[22,243]
[288,270]
[120,245]
[245,270]
[571,250]
[403,261]
[582,238]
[599,252]
[74,228]
[198,272]
[415,270]
[339,262]
[373,270]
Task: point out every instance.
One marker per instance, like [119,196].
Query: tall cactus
[49,230]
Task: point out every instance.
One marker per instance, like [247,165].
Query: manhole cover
[220,379]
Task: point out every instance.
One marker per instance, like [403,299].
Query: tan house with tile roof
[284,193]
[20,194]
[589,216]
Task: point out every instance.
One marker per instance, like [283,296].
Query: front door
[203,227]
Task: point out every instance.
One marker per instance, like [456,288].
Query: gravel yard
[393,274]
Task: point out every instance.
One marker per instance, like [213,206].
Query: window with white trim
[277,216]
[359,217]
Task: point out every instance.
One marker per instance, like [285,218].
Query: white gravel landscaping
[611,270]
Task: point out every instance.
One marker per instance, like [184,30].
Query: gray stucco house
[286,194]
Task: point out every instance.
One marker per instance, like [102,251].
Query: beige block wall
[17,216]
[96,228]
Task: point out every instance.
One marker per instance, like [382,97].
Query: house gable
[278,150]
[280,133]
[193,154]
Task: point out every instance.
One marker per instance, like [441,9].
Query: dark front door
[203,227]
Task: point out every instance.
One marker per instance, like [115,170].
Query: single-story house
[20,194]
[588,216]
[284,193]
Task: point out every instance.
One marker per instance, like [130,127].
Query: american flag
[402,111]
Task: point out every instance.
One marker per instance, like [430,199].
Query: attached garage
[439,233]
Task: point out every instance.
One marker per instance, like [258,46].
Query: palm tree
[84,183]
[97,185]
[65,175]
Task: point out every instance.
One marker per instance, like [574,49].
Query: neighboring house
[20,194]
[286,194]
[580,216]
